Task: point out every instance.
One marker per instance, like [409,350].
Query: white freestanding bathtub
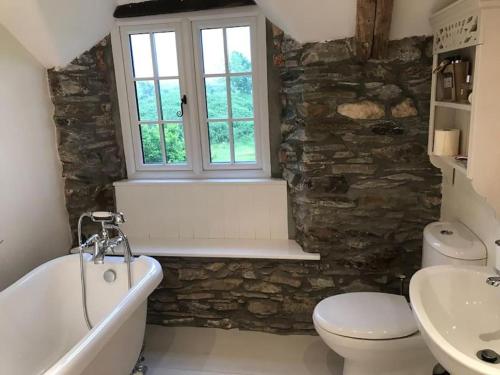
[42,326]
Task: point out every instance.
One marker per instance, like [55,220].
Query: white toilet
[376,333]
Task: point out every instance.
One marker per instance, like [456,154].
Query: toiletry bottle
[465,90]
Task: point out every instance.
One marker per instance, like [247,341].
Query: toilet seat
[369,316]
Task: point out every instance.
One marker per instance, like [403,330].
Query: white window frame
[195,122]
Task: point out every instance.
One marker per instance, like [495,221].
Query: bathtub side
[123,327]
[41,317]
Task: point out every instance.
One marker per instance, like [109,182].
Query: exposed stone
[195,296]
[404,109]
[192,274]
[277,32]
[214,267]
[404,177]
[223,323]
[376,184]
[319,283]
[263,307]
[225,284]
[364,110]
[304,306]
[87,118]
[313,110]
[354,169]
[225,306]
[249,274]
[262,287]
[280,278]
[387,92]
[405,50]
[327,52]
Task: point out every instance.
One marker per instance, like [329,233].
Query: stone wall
[87,120]
[264,295]
[353,151]
[354,154]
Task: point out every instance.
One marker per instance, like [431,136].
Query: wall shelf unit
[470,29]
[453,105]
[451,162]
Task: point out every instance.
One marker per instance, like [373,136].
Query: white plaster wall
[57,31]
[320,20]
[33,220]
[462,203]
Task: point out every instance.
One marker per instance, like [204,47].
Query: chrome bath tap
[102,242]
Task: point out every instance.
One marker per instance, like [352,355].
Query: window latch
[184,101]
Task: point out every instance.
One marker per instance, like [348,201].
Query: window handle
[184,101]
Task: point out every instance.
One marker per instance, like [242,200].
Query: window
[193,96]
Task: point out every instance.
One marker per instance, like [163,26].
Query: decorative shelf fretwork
[458,34]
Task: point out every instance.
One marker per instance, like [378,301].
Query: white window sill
[215,181]
[220,248]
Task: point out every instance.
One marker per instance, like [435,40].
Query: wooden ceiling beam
[155,7]
[365,27]
[383,20]
[373,25]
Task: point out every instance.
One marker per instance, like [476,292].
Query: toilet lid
[372,316]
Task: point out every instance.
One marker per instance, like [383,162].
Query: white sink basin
[458,314]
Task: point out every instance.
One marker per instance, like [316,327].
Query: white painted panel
[246,212]
[278,224]
[186,211]
[215,212]
[231,226]
[198,211]
[153,203]
[262,207]
[202,210]
[136,224]
[170,205]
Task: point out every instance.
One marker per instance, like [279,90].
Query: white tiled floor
[207,351]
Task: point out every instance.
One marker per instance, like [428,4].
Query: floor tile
[207,351]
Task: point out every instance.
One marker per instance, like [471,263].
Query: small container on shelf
[465,91]
[452,82]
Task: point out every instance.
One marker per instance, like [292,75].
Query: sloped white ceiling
[57,31]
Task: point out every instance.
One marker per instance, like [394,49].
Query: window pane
[220,149]
[175,145]
[166,54]
[170,95]
[213,51]
[141,55]
[241,97]
[151,148]
[216,93]
[244,141]
[239,49]
[146,100]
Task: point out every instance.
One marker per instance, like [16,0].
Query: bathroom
[291,179]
